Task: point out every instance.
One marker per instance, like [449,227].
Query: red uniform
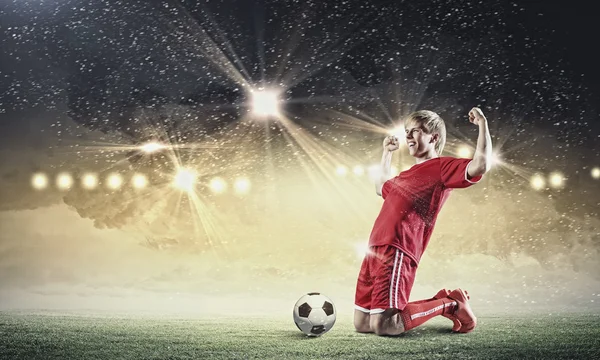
[412,201]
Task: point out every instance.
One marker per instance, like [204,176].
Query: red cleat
[463,314]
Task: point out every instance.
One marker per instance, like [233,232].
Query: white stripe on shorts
[392,280]
[398,278]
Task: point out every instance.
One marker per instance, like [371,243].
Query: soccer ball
[314,314]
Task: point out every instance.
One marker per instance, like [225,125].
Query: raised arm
[390,144]
[482,159]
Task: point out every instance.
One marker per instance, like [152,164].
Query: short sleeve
[454,173]
[385,189]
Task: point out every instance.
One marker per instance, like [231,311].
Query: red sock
[422,301]
[417,312]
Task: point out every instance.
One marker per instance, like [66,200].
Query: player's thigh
[384,268]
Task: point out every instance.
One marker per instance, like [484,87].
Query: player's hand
[391,143]
[476,116]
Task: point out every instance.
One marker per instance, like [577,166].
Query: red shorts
[385,280]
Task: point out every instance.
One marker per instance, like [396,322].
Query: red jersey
[412,201]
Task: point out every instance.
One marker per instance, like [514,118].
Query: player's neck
[430,155]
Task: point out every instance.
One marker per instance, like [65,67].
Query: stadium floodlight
[139,181]
[242,186]
[557,180]
[218,185]
[185,179]
[152,147]
[114,181]
[595,173]
[265,102]
[537,182]
[358,170]
[39,181]
[89,181]
[64,181]
[341,170]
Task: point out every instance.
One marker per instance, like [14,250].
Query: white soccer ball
[314,314]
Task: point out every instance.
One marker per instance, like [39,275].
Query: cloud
[52,258]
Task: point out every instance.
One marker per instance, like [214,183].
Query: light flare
[361,249]
[185,179]
[464,151]
[496,159]
[39,181]
[242,186]
[557,180]
[358,170]
[64,181]
[114,181]
[341,170]
[152,147]
[265,103]
[537,182]
[218,185]
[89,181]
[400,133]
[139,181]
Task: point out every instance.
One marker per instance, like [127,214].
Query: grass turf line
[39,336]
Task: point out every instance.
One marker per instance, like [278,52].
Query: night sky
[526,63]
[83,83]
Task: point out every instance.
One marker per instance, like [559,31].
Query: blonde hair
[433,124]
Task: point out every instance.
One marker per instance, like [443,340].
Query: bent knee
[377,325]
[379,329]
[362,328]
[362,325]
[384,324]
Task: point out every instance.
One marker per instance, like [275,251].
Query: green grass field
[48,336]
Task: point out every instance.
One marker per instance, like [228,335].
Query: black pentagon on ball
[304,310]
[317,329]
[314,293]
[328,308]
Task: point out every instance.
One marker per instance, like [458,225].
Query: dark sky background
[75,50]
[530,65]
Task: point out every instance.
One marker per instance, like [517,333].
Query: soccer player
[412,201]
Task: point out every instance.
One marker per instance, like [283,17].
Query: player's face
[419,142]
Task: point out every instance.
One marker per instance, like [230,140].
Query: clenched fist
[391,143]
[476,116]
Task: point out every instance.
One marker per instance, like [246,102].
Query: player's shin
[417,313]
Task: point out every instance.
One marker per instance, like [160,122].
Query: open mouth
[412,144]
